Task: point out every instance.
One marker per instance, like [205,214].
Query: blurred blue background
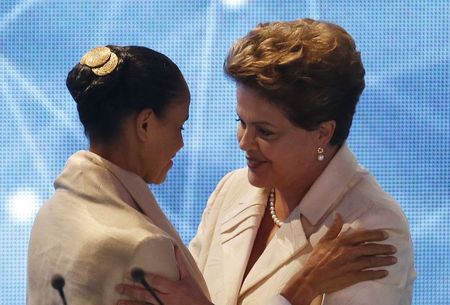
[401,131]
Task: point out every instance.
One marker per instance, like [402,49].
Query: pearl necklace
[272,208]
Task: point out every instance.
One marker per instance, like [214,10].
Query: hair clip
[101,60]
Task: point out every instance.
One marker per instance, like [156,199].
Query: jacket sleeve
[156,254]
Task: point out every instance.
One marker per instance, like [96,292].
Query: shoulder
[231,191]
[368,206]
[156,254]
[94,226]
[233,187]
[374,207]
[236,178]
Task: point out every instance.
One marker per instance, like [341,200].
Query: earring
[320,155]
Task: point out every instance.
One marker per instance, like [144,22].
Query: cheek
[282,157]
[270,151]
[295,161]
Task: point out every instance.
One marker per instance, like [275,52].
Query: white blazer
[231,219]
[93,230]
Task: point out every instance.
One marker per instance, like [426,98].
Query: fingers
[182,268]
[159,283]
[372,249]
[369,275]
[372,262]
[334,229]
[137,293]
[363,236]
[129,302]
[357,277]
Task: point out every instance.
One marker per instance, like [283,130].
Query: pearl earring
[320,155]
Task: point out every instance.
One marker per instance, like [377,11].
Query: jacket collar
[342,173]
[142,198]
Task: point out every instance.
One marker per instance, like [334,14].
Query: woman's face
[165,140]
[278,153]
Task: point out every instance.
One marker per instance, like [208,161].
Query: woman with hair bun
[298,83]
[103,220]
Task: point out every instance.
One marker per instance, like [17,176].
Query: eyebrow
[187,118]
[257,122]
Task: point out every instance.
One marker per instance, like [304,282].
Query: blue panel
[401,131]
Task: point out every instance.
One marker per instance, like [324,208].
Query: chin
[156,180]
[159,180]
[256,180]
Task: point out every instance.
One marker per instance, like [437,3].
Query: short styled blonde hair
[310,69]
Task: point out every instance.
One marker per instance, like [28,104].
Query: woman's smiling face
[278,153]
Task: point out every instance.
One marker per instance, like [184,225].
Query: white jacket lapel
[237,232]
[287,242]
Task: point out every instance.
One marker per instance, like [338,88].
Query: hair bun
[101,60]
[96,74]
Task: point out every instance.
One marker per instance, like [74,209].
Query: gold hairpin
[101,60]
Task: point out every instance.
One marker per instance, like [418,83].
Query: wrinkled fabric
[231,219]
[100,223]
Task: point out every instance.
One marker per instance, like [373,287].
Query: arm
[198,247]
[155,254]
[336,262]
[169,291]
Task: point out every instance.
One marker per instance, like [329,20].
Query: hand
[339,261]
[184,291]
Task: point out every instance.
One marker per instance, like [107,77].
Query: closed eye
[264,132]
[242,122]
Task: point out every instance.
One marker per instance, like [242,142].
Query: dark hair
[139,78]
[310,69]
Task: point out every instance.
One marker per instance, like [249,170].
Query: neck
[288,197]
[117,153]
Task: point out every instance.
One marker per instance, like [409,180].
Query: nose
[246,138]
[181,143]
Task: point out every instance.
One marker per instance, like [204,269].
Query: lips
[254,163]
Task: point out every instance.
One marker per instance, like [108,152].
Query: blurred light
[23,205]
[235,3]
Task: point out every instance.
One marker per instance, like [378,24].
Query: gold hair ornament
[101,60]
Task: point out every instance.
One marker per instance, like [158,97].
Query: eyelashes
[240,121]
[263,132]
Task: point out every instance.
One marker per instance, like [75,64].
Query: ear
[325,132]
[144,121]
